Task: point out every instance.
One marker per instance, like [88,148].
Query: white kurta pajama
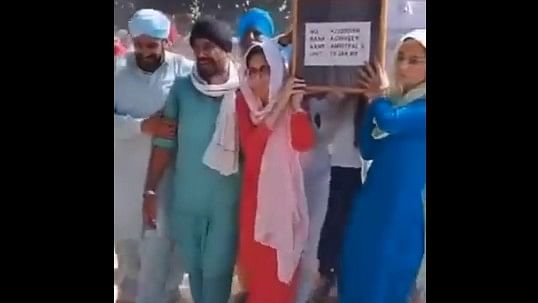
[316,165]
[145,258]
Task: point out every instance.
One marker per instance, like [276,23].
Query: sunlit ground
[185,291]
[184,287]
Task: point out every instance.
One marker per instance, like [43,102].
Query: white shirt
[137,95]
[317,161]
[343,150]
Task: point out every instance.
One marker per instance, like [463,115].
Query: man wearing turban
[204,210]
[144,251]
[253,26]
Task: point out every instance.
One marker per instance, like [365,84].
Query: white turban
[151,23]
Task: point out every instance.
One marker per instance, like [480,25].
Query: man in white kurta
[148,271]
[345,177]
[326,114]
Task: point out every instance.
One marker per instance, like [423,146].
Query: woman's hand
[297,99]
[373,80]
[290,94]
[293,86]
[293,92]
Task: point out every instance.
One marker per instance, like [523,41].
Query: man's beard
[149,63]
[207,68]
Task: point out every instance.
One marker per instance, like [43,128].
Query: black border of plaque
[337,78]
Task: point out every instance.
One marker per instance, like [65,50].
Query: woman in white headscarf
[384,242]
[273,130]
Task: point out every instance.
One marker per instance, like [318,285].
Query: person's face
[210,59]
[411,64]
[250,37]
[259,74]
[148,51]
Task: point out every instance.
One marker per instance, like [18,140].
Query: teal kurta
[203,214]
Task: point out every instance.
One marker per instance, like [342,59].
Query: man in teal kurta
[203,215]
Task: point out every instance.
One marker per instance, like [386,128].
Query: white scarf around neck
[222,153]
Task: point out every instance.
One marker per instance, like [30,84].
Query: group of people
[226,167]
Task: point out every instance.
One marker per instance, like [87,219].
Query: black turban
[213,30]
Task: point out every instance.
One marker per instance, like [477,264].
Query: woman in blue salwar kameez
[384,241]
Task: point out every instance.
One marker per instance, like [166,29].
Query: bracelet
[149,193]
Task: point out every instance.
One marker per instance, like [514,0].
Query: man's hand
[156,126]
[285,39]
[149,210]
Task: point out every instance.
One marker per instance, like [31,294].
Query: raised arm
[264,128]
[401,119]
[302,132]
